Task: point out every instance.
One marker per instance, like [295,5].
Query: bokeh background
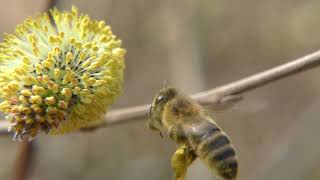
[195,45]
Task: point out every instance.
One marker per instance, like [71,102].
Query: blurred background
[194,45]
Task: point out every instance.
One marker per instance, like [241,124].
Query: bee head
[160,100]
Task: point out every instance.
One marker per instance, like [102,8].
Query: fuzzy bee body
[212,145]
[188,124]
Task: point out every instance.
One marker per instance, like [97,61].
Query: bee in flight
[187,123]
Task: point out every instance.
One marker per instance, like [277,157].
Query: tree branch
[229,92]
[23,164]
[257,80]
[217,96]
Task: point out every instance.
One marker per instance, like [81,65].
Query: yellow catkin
[59,78]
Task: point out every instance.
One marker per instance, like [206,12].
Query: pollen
[59,75]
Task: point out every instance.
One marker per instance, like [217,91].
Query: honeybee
[188,124]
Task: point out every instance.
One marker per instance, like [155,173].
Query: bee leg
[180,160]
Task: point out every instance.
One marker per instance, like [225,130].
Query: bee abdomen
[217,151]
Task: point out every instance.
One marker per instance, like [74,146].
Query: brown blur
[195,45]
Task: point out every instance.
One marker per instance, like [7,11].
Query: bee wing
[218,110]
[222,111]
[196,128]
[224,103]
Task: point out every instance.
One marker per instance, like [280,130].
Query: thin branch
[23,164]
[257,80]
[229,91]
[26,151]
[4,127]
[216,96]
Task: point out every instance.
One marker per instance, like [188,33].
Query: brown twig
[216,96]
[257,80]
[229,92]
[4,127]
[23,163]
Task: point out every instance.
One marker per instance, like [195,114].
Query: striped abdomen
[213,146]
